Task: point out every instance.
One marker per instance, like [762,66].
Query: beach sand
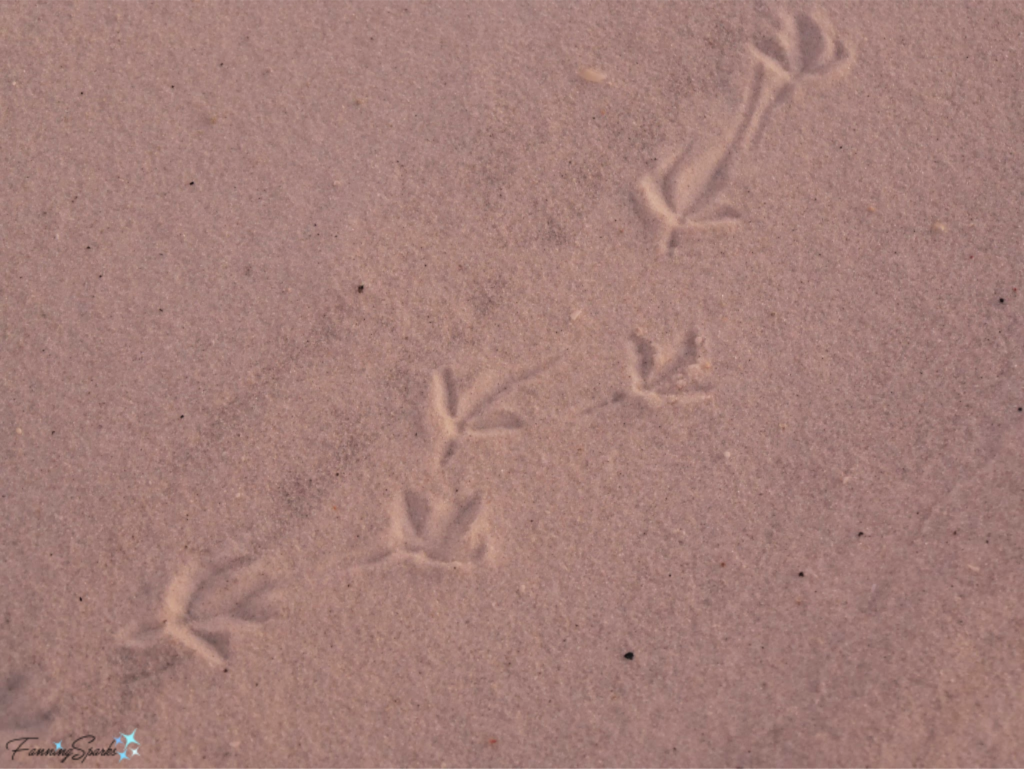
[512,384]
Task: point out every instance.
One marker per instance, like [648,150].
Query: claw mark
[658,378]
[183,619]
[478,419]
[683,192]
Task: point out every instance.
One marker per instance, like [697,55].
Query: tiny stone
[592,75]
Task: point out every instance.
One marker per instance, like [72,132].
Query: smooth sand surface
[512,384]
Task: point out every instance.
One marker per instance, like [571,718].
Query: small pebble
[592,75]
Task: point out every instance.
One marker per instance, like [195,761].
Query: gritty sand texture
[510,384]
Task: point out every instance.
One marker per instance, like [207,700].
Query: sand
[504,384]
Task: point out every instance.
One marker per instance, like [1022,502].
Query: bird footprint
[202,607]
[659,377]
[681,376]
[803,47]
[461,418]
[443,533]
[685,190]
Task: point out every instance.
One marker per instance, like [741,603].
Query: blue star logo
[123,756]
[57,745]
[118,740]
[129,739]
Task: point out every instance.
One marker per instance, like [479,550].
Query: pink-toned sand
[504,384]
